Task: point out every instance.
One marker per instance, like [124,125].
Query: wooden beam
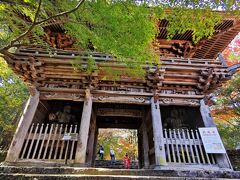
[161,95]
[172,41]
[179,102]
[119,112]
[121,99]
[67,90]
[160,155]
[22,129]
[61,96]
[118,125]
[123,93]
[81,151]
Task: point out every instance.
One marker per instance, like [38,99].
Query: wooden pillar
[160,155]
[95,146]
[222,159]
[206,115]
[140,148]
[91,139]
[83,132]
[22,129]
[145,145]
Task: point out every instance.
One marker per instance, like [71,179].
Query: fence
[50,142]
[185,146]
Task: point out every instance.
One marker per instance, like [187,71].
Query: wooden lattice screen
[185,146]
[50,142]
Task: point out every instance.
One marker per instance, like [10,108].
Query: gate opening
[116,143]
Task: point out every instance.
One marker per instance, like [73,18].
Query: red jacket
[126,162]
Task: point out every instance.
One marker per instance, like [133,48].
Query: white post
[222,159]
[22,129]
[160,155]
[80,157]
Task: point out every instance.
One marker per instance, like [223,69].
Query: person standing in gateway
[101,152]
[112,155]
[126,162]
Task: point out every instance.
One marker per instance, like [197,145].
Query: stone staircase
[118,164]
[108,164]
[72,173]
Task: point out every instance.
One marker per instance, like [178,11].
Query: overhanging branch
[26,32]
[62,13]
[35,23]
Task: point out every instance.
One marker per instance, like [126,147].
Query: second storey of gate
[187,71]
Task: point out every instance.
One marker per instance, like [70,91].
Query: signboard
[66,136]
[211,140]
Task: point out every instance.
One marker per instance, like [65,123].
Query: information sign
[66,137]
[211,140]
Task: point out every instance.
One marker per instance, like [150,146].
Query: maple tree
[226,111]
[13,93]
[227,114]
[232,52]
[123,28]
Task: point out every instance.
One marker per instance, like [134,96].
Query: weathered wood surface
[160,155]
[119,112]
[181,46]
[206,115]
[22,129]
[84,131]
[91,139]
[50,143]
[185,146]
[145,144]
[55,73]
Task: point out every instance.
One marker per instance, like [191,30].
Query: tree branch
[26,32]
[62,13]
[35,23]
[11,2]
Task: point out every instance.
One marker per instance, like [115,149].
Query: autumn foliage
[121,140]
[232,52]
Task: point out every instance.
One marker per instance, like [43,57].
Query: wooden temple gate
[165,138]
[67,105]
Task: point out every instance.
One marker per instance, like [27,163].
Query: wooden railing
[50,142]
[185,146]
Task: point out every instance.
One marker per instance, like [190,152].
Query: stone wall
[234,156]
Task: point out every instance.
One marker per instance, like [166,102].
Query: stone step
[118,164]
[88,177]
[21,172]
